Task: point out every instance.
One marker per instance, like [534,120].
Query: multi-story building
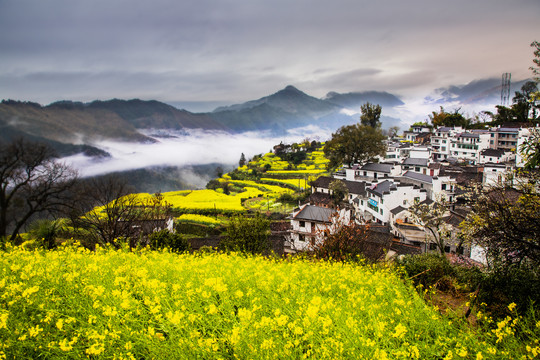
[382,197]
[440,141]
[504,138]
[467,146]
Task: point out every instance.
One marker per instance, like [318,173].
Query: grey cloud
[239,50]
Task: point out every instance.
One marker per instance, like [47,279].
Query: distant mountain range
[69,125]
[73,127]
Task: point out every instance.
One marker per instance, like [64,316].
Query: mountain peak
[291,88]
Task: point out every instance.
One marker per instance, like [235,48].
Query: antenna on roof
[505,89]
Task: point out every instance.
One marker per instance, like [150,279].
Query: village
[426,168]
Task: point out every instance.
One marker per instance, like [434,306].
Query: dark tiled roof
[383,188]
[315,213]
[417,176]
[397,210]
[354,187]
[378,167]
[469,135]
[507,129]
[415,162]
[492,152]
[405,249]
[323,182]
[444,129]
[321,199]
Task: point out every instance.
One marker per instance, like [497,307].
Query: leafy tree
[32,183]
[242,161]
[219,171]
[523,106]
[247,234]
[444,118]
[431,217]
[536,60]
[339,190]
[354,144]
[505,220]
[371,115]
[531,150]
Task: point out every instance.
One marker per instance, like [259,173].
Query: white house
[440,141]
[385,196]
[496,156]
[309,222]
[467,146]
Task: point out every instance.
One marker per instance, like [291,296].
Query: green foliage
[46,231]
[165,239]
[428,270]
[371,115]
[503,286]
[339,190]
[444,118]
[530,150]
[505,220]
[247,234]
[354,144]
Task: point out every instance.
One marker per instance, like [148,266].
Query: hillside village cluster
[423,166]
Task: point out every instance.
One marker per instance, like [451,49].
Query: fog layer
[183,149]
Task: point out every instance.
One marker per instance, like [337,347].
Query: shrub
[165,239]
[46,231]
[428,270]
[247,234]
[501,287]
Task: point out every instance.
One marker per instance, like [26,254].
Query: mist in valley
[181,160]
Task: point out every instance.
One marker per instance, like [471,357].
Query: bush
[501,287]
[46,231]
[165,239]
[428,270]
[247,234]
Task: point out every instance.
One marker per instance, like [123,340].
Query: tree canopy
[354,144]
[371,115]
[445,118]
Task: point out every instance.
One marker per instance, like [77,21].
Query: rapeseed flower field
[73,303]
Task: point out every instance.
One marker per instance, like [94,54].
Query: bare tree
[32,183]
[110,212]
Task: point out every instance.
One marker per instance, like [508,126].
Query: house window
[302,224]
[301,237]
[362,202]
[404,202]
[443,186]
[381,211]
[417,169]
[432,246]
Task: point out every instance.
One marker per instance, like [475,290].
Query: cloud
[236,50]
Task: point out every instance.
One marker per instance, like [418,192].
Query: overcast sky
[239,50]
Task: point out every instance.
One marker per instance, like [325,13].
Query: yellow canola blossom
[164,305]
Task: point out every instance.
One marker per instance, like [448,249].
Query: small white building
[309,222]
[385,196]
[496,156]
